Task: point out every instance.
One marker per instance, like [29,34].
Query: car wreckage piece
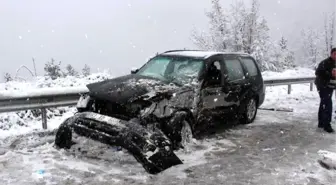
[150,147]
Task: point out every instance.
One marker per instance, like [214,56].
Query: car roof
[199,53]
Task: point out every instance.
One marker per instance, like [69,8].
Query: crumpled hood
[125,88]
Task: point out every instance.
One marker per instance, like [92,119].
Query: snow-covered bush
[86,71]
[53,70]
[8,77]
[70,71]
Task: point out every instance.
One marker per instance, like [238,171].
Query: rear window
[234,69]
[250,66]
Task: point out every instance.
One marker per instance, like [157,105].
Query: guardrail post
[289,88]
[311,86]
[44,119]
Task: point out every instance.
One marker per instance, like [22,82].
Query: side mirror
[134,70]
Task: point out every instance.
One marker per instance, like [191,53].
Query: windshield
[179,70]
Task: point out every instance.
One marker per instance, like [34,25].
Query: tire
[186,134]
[179,130]
[250,111]
[63,137]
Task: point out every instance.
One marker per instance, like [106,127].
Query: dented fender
[166,107]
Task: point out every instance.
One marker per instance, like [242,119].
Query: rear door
[236,85]
[253,74]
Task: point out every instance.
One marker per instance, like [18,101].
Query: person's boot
[320,125]
[328,128]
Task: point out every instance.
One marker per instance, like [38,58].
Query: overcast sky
[120,34]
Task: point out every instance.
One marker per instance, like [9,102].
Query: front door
[212,96]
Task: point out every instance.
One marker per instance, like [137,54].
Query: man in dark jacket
[326,82]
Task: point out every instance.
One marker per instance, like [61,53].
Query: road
[278,148]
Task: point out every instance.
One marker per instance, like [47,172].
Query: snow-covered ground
[278,148]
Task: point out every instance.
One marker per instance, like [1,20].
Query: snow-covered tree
[218,37]
[287,59]
[70,71]
[250,32]
[250,28]
[53,70]
[8,77]
[86,71]
[260,47]
[311,42]
[241,30]
[283,43]
[282,57]
[329,33]
[237,24]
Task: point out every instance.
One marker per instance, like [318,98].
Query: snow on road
[278,148]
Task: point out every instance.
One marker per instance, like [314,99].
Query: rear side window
[234,69]
[250,66]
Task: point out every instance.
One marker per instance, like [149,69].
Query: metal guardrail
[68,97]
[289,82]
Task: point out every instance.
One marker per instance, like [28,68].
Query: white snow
[290,73]
[328,158]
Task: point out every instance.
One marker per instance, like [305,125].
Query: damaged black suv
[159,107]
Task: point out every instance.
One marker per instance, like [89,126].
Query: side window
[234,69]
[217,65]
[214,74]
[250,66]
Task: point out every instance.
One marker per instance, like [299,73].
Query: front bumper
[150,147]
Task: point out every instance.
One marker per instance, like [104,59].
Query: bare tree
[34,65]
[19,69]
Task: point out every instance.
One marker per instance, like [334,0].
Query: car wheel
[250,111]
[63,137]
[179,130]
[186,134]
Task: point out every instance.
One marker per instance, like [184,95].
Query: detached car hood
[126,88]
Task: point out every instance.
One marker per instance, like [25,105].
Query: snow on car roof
[198,54]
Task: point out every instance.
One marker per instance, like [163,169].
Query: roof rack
[169,51]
